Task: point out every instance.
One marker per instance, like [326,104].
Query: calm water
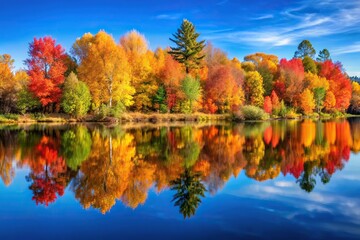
[284,180]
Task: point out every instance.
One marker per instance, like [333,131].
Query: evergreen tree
[305,48]
[188,50]
[323,55]
[160,99]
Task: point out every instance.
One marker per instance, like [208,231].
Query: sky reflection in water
[297,179]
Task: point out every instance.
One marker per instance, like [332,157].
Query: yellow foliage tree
[105,69]
[330,101]
[254,90]
[307,102]
[142,72]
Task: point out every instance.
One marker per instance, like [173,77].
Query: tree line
[101,76]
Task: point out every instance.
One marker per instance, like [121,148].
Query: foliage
[141,71]
[223,90]
[309,65]
[319,96]
[105,69]
[76,98]
[323,55]
[339,82]
[192,90]
[46,70]
[254,113]
[307,102]
[292,77]
[304,49]
[268,105]
[160,100]
[188,50]
[254,90]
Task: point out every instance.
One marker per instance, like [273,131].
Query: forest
[103,77]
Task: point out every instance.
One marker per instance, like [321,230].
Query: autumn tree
[104,68]
[304,49]
[355,99]
[141,72]
[339,82]
[267,104]
[266,65]
[214,56]
[76,98]
[46,71]
[292,75]
[330,101]
[254,90]
[307,102]
[274,99]
[223,88]
[188,50]
[170,73]
[9,85]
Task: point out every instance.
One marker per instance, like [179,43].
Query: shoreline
[149,118]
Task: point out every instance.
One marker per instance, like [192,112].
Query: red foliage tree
[279,89]
[267,104]
[223,89]
[292,75]
[46,70]
[340,84]
[274,99]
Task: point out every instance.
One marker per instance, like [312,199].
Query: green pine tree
[323,55]
[305,48]
[188,50]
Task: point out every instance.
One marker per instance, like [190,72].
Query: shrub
[291,114]
[253,113]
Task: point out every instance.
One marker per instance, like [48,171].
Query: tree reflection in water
[188,189]
[102,165]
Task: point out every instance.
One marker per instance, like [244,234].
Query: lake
[280,179]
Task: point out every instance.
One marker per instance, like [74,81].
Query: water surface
[280,179]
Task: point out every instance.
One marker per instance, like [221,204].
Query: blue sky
[238,27]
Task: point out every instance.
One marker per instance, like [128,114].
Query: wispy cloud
[174,16]
[267,16]
[354,48]
[308,20]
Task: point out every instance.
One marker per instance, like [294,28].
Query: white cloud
[354,48]
[309,20]
[284,184]
[168,16]
[267,16]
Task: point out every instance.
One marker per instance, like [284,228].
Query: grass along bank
[246,113]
